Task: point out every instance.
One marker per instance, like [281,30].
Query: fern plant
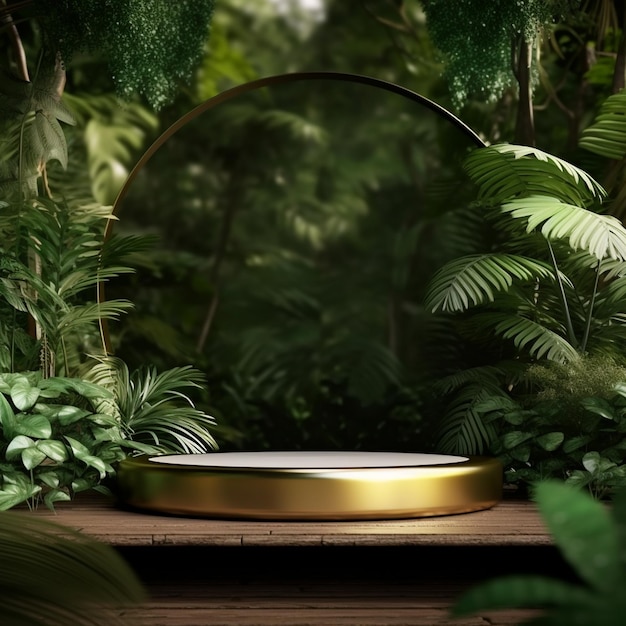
[551,286]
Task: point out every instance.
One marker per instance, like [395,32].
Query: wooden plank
[512,523]
[260,605]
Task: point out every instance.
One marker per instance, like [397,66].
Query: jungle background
[294,230]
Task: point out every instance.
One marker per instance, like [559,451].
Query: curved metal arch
[280,79]
[260,83]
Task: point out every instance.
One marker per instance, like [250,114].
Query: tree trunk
[525,123]
[619,74]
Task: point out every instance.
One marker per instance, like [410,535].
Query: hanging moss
[475,39]
[149,45]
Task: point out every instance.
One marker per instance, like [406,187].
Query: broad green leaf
[54,450]
[17,446]
[514,438]
[599,406]
[78,449]
[98,464]
[7,418]
[12,495]
[33,426]
[521,591]
[24,395]
[575,443]
[550,441]
[50,479]
[584,532]
[591,462]
[68,414]
[55,495]
[32,457]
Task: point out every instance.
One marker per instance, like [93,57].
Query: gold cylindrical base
[310,493]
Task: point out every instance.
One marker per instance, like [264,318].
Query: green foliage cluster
[60,433]
[591,539]
[476,40]
[54,442]
[572,426]
[150,45]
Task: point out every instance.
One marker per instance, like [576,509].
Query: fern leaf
[505,171]
[601,235]
[607,135]
[474,279]
[462,430]
[536,338]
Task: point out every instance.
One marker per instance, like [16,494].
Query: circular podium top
[310,485]
[304,460]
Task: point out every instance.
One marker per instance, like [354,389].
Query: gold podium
[310,485]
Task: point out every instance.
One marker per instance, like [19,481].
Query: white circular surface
[308,460]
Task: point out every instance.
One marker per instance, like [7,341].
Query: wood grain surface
[202,572]
[515,523]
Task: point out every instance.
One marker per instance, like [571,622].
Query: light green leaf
[68,414]
[603,236]
[32,457]
[17,446]
[54,450]
[78,449]
[24,395]
[33,426]
[12,495]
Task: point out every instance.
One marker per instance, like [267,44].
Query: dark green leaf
[550,441]
[583,530]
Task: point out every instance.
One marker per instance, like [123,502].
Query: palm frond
[475,279]
[504,171]
[607,135]
[153,407]
[462,430]
[601,235]
[532,336]
[53,576]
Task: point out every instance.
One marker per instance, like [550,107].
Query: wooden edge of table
[509,523]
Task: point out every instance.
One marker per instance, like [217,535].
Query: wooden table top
[510,523]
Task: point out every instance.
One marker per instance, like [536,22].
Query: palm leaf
[503,172]
[607,135]
[530,335]
[462,430]
[475,279]
[53,576]
[601,235]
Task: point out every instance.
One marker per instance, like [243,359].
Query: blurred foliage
[297,227]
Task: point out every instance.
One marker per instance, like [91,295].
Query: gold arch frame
[254,85]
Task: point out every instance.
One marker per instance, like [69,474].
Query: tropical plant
[571,427]
[60,433]
[153,409]
[591,539]
[54,442]
[53,576]
[550,288]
